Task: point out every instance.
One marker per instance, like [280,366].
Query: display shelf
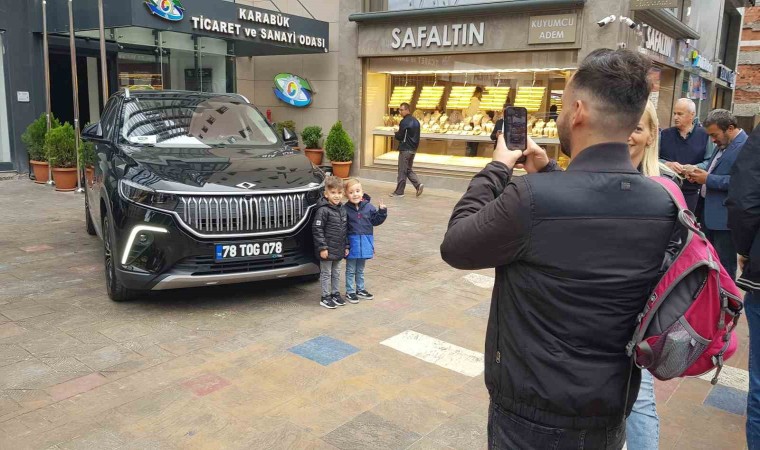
[530,98]
[460,97]
[464,137]
[401,94]
[494,98]
[430,97]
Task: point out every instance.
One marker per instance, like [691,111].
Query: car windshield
[194,121]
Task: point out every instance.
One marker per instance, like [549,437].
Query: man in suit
[728,138]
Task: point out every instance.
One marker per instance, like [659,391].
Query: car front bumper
[175,259]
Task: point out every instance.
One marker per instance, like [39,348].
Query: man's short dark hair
[619,80]
[406,106]
[722,118]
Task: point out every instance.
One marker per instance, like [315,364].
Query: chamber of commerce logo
[166,9]
[292,90]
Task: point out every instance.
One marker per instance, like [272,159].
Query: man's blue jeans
[355,275]
[642,428]
[752,310]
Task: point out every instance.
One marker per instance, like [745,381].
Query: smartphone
[516,129]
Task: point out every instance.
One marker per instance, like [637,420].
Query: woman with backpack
[643,425]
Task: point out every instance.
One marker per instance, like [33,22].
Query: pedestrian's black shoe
[364,295]
[338,300]
[328,303]
[352,298]
[420,189]
[393,194]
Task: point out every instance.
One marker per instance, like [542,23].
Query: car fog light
[138,231]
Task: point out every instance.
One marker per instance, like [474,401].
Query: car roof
[174,94]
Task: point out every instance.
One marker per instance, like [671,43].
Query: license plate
[248,250]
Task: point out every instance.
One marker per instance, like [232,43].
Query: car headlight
[146,196]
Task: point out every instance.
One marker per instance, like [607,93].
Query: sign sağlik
[171,10]
[293,90]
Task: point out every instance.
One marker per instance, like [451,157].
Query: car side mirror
[290,137]
[92,132]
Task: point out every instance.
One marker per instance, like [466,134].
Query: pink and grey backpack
[686,327]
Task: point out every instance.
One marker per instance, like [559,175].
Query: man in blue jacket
[724,131]
[744,220]
[685,144]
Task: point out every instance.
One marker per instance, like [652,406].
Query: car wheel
[116,291]
[88,217]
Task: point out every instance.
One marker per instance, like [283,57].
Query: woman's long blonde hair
[650,164]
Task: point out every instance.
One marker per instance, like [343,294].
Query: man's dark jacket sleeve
[743,201]
[490,226]
[402,129]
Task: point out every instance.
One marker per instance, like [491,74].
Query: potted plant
[311,136]
[340,149]
[34,139]
[61,152]
[87,160]
[290,125]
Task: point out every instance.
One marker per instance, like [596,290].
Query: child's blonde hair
[350,182]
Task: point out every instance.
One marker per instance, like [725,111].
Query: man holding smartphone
[576,254]
[408,136]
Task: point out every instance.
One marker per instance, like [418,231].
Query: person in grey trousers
[408,136]
[330,230]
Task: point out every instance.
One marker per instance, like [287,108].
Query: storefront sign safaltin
[171,10]
[293,90]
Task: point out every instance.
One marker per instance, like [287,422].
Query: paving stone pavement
[262,365]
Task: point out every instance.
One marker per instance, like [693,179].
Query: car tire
[88,218]
[116,291]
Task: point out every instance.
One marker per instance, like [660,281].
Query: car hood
[221,169]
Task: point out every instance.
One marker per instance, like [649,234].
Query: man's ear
[580,114]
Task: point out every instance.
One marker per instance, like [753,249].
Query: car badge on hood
[246,185]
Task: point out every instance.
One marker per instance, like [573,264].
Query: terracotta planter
[65,179]
[315,155]
[40,169]
[341,169]
[89,175]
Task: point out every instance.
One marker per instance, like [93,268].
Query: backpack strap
[685,216]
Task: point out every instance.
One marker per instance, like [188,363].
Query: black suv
[196,189]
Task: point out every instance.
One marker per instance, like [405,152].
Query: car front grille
[230,214]
[206,265]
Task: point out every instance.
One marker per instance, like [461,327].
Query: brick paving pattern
[262,365]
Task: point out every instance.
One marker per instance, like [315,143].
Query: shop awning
[667,23]
[255,31]
[515,6]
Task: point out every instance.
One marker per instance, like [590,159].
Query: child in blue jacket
[362,217]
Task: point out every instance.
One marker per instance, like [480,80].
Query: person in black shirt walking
[408,135]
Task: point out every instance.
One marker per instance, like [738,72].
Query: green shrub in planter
[34,137]
[289,124]
[86,152]
[339,146]
[311,136]
[60,146]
